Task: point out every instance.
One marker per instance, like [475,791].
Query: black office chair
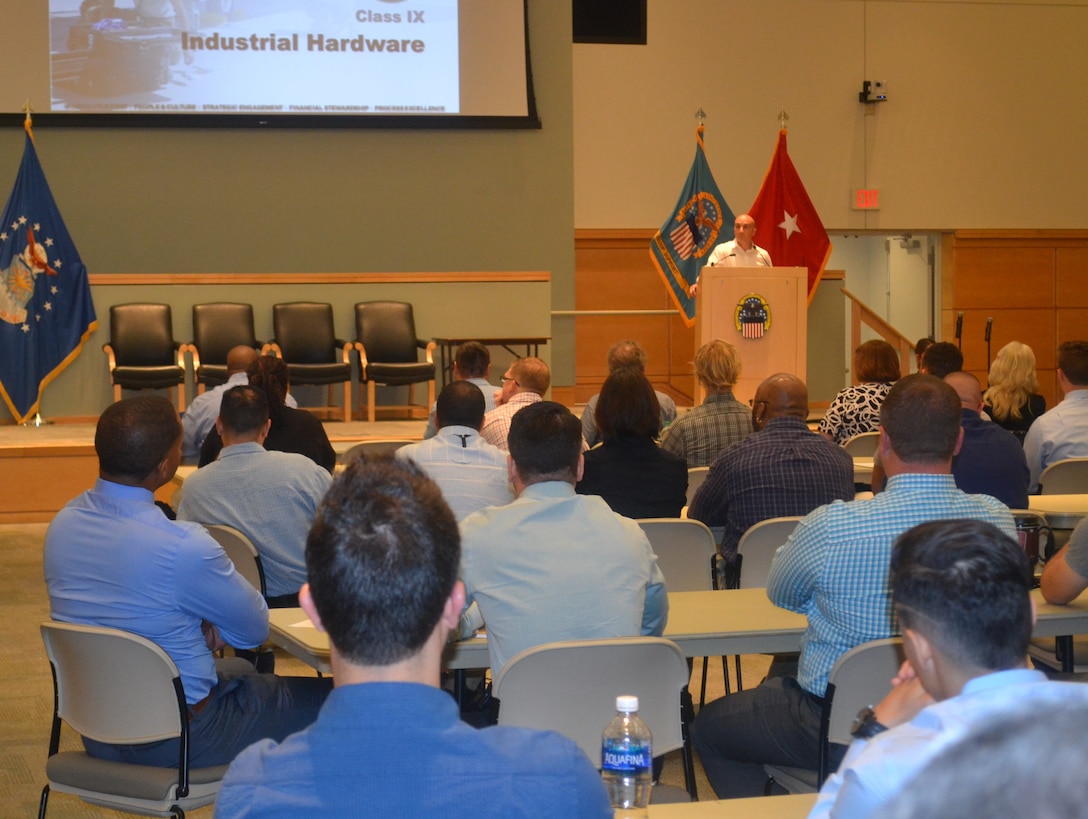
[218,328]
[385,336]
[306,341]
[142,352]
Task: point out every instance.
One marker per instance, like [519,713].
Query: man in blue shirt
[834,569]
[1063,431]
[961,592]
[382,560]
[113,559]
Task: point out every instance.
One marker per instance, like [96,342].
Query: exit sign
[867,199]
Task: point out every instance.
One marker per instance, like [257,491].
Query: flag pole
[28,125]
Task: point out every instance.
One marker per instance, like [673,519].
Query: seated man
[270,497]
[113,559]
[471,363]
[991,460]
[721,421]
[525,382]
[1066,574]
[784,469]
[961,590]
[1063,431]
[834,569]
[382,561]
[470,472]
[555,565]
[624,355]
[941,358]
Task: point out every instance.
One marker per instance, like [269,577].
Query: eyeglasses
[506,378]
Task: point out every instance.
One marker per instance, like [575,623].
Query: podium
[763,312]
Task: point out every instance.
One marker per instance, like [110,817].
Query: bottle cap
[627,704]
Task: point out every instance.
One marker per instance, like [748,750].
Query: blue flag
[680,248]
[46,312]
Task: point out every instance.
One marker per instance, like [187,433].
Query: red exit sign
[867,199]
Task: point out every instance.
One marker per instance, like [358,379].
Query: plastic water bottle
[627,759]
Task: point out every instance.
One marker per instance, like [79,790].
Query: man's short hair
[1073,361]
[717,365]
[460,404]
[134,435]
[876,361]
[381,558]
[625,355]
[531,374]
[941,358]
[966,586]
[472,359]
[545,442]
[922,416]
[244,410]
[627,407]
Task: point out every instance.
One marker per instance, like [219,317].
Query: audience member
[554,565]
[382,561]
[961,591]
[941,358]
[472,363]
[991,460]
[783,469]
[113,559]
[834,569]
[293,430]
[1038,754]
[1063,431]
[919,349]
[1012,400]
[635,476]
[271,497]
[525,382]
[470,472]
[1066,573]
[721,421]
[624,355]
[856,409]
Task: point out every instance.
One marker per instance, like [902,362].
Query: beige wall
[983,127]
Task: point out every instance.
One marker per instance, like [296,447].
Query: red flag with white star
[787,224]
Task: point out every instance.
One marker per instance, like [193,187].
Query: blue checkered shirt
[834,568]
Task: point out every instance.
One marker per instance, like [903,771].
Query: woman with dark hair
[857,409]
[629,470]
[293,430]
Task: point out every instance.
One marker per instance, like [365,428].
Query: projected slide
[280,57]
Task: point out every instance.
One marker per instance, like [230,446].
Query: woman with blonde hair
[1012,400]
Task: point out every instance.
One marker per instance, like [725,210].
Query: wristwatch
[866,725]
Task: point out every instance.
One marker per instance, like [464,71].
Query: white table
[794,806]
[1060,511]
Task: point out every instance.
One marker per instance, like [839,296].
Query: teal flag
[46,312]
[680,248]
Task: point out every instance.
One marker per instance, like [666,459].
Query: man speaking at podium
[741,252]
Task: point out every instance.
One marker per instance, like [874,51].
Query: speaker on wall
[609,21]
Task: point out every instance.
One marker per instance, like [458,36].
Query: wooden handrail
[861,313]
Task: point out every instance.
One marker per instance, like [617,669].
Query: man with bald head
[782,469]
[742,251]
[991,460]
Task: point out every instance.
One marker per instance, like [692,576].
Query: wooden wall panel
[1005,277]
[1072,279]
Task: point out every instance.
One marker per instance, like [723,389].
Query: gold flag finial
[783,118]
[700,115]
[28,122]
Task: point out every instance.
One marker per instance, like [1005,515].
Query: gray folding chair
[1068,476]
[756,549]
[860,677]
[116,687]
[242,553]
[571,687]
[688,557]
[862,445]
[696,477]
[372,449]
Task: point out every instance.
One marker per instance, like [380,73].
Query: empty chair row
[143,353]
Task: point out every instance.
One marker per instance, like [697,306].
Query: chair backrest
[373,449]
[862,676]
[242,553]
[571,687]
[757,547]
[304,332]
[388,331]
[113,686]
[696,476]
[219,327]
[685,552]
[1065,477]
[862,445]
[142,335]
